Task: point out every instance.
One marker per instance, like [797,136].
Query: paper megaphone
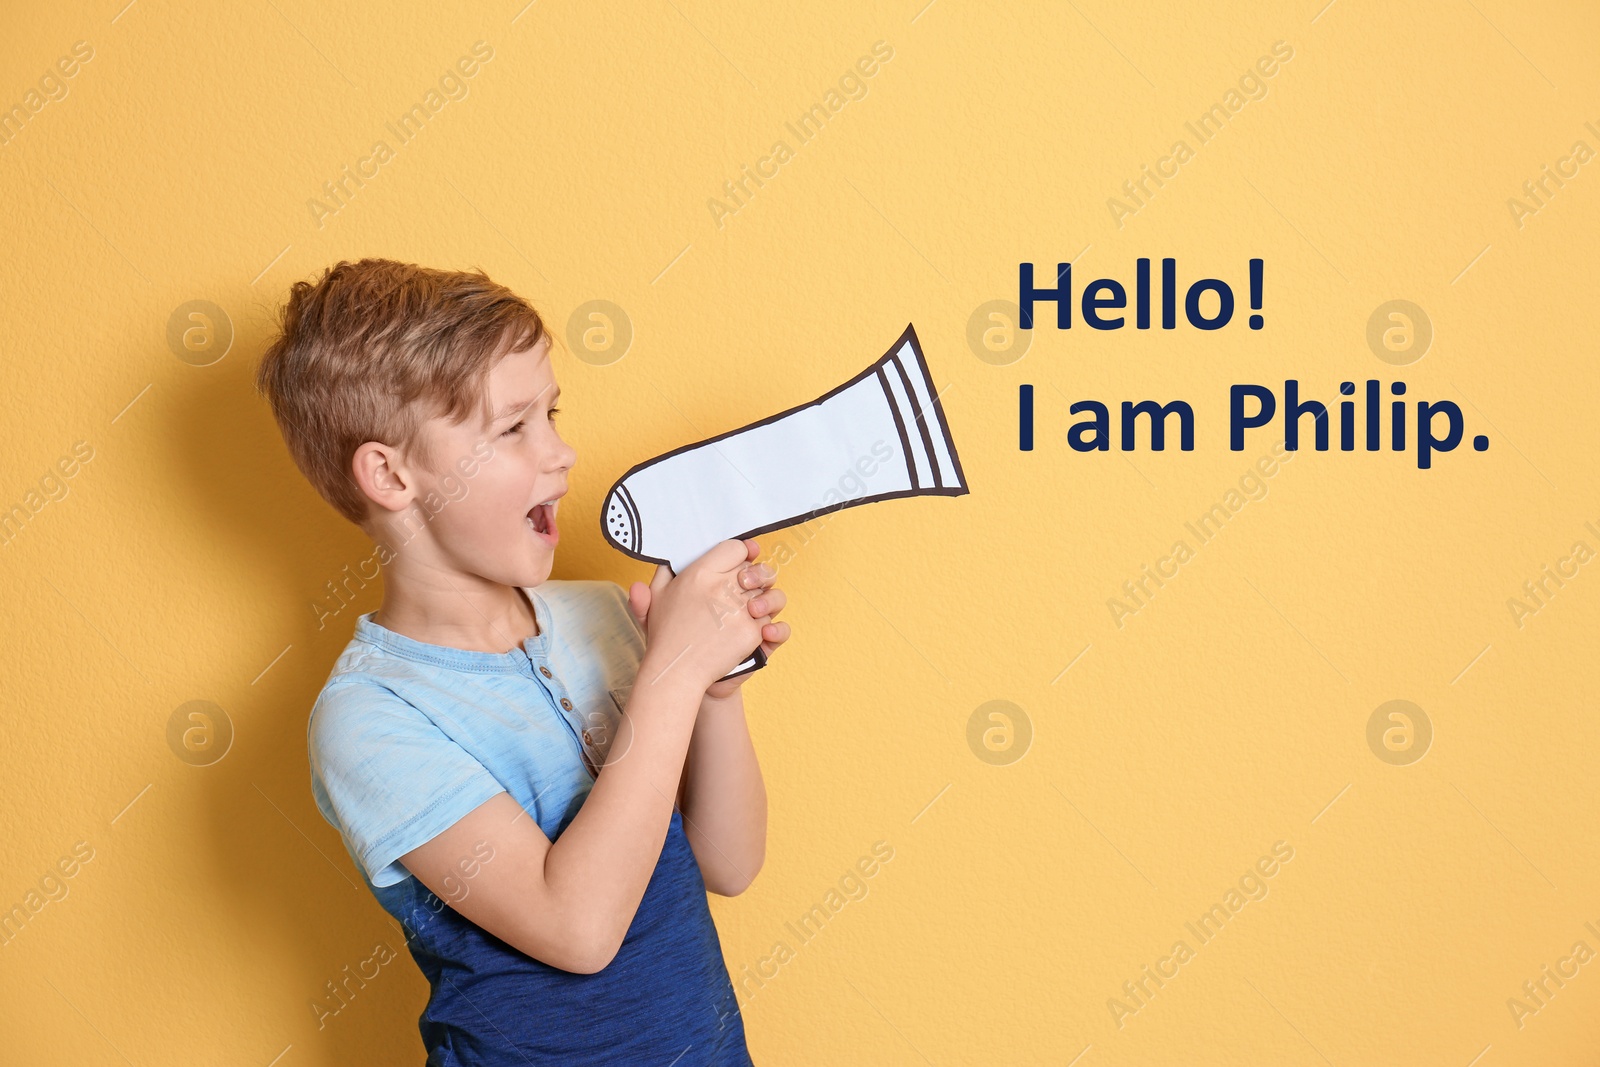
[879,436]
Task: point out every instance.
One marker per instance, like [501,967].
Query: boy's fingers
[728,555]
[639,601]
[662,576]
[758,576]
[770,602]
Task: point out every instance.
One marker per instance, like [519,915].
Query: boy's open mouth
[543,520]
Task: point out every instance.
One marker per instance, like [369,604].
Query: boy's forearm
[724,800]
[604,859]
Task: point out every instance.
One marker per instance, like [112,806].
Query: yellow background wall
[186,556]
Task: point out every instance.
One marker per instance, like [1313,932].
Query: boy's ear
[380,471]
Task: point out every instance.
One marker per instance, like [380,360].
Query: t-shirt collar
[535,648]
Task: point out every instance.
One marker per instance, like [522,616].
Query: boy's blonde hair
[373,350]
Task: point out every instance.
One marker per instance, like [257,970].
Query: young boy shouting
[539,779]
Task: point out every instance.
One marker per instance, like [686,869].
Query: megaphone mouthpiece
[622,520]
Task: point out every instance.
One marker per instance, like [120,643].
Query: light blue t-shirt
[407,737]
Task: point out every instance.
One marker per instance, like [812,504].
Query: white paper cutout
[879,436]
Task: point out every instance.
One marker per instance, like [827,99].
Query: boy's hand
[766,601]
[769,601]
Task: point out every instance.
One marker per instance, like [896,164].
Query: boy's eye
[521,423]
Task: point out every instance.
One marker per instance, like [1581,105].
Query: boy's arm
[722,797]
[570,903]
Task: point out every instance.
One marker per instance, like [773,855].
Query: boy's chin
[519,566]
[536,570]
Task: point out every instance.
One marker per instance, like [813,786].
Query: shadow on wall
[295,894]
[284,869]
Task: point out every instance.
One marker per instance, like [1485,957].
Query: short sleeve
[387,778]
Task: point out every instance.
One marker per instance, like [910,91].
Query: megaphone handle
[753,662]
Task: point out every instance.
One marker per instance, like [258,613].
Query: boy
[539,779]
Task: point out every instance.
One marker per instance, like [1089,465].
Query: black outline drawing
[902,402]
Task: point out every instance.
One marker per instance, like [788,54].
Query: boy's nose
[566,457]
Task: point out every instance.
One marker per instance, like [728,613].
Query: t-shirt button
[566,704]
[545,671]
[587,739]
